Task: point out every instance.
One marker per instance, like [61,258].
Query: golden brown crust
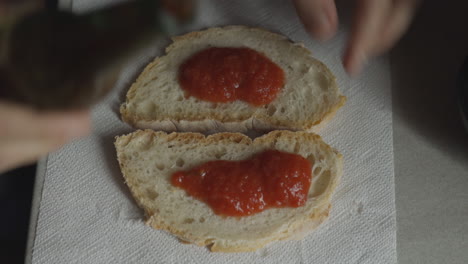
[328,117]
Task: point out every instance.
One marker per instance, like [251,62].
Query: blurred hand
[377,26]
[26,135]
[12,9]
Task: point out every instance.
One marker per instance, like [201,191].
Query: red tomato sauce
[224,75]
[240,188]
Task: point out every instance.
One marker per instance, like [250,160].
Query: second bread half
[148,159]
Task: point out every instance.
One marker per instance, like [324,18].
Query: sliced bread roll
[309,97]
[148,159]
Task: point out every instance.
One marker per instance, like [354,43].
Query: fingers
[377,25]
[25,135]
[368,20]
[318,16]
[397,23]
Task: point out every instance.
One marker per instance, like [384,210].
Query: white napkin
[87,215]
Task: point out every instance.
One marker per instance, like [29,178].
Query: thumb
[25,135]
[318,16]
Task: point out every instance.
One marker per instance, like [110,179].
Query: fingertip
[332,15]
[321,32]
[65,127]
[354,61]
[79,125]
[319,17]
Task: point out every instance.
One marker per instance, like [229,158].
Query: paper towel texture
[87,215]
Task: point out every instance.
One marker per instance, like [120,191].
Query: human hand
[377,26]
[26,135]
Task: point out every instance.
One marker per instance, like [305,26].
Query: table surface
[430,143]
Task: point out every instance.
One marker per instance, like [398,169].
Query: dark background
[430,143]
[16,188]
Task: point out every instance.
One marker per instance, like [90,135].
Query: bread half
[148,159]
[310,95]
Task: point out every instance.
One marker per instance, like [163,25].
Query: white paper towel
[87,215]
